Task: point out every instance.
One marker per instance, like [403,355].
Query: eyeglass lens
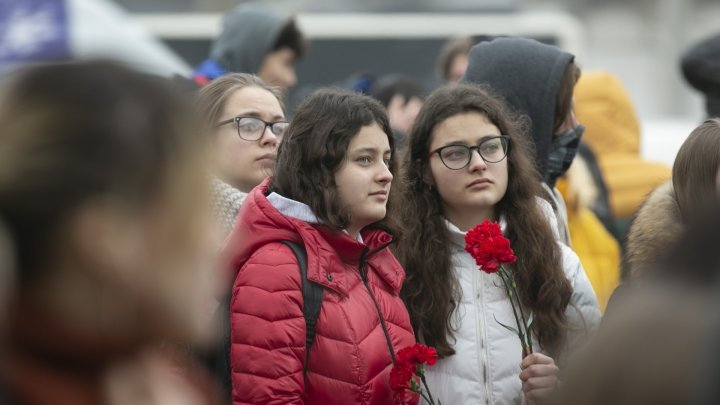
[458,156]
[252,128]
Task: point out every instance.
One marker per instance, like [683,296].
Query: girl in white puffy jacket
[468,161]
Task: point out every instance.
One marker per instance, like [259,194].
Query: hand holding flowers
[539,377]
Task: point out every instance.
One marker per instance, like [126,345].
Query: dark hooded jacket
[249,33]
[526,73]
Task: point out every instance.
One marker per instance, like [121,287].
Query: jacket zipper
[477,277]
[363,276]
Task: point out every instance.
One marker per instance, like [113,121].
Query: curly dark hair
[314,148]
[431,291]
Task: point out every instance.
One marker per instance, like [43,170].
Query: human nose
[268,137]
[291,78]
[385,175]
[476,160]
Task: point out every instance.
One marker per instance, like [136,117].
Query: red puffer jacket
[362,318]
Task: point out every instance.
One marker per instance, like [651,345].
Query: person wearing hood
[255,39]
[613,132]
[672,206]
[330,193]
[537,80]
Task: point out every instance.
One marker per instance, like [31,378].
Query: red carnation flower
[487,245]
[408,374]
[426,355]
[400,376]
[490,249]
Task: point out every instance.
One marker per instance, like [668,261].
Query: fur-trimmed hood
[654,230]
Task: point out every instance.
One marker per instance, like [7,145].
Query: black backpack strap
[312,299]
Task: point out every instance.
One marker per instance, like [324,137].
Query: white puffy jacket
[486,366]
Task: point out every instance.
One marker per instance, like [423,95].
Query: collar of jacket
[350,254]
[331,253]
[655,229]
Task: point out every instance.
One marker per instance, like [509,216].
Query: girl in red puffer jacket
[330,193]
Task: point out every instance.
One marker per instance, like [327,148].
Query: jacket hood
[248,35]
[526,73]
[604,107]
[654,231]
[260,223]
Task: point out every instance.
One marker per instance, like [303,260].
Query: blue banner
[33,30]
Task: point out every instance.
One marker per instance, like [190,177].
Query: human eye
[387,161]
[454,153]
[492,146]
[364,160]
[249,125]
[279,128]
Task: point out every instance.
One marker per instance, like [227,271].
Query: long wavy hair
[431,291]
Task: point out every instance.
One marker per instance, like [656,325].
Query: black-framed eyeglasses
[252,128]
[491,150]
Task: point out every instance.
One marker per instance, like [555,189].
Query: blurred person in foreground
[669,209]
[658,342]
[100,172]
[245,120]
[6,287]
[258,39]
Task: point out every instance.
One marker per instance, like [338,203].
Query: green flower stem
[428,400]
[528,336]
[422,378]
[504,276]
